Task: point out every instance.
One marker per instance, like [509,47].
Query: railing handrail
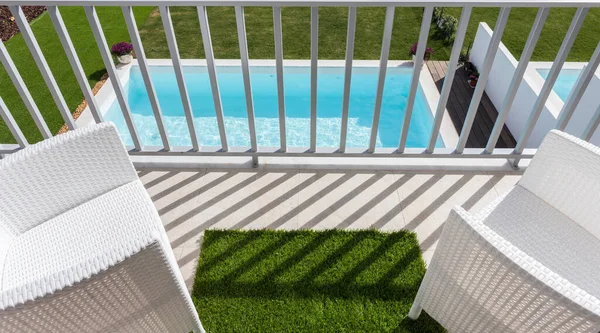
[309,3]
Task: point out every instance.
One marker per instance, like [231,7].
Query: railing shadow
[305,199]
[315,266]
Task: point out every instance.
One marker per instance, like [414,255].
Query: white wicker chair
[530,262]
[82,248]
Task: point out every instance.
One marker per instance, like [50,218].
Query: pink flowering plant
[121,49]
[413,51]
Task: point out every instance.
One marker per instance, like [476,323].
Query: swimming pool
[565,81]
[264,89]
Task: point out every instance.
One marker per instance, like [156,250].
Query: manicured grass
[307,281]
[81,34]
[519,25]
[332,32]
[296,32]
[259,22]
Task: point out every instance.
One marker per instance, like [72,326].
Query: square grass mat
[309,281]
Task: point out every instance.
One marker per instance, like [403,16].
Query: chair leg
[197,324]
[415,311]
[198,327]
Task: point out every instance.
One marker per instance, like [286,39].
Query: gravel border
[83,104]
[8,26]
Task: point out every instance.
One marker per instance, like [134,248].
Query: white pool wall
[501,75]
[106,95]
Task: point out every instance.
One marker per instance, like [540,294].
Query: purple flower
[413,51]
[121,49]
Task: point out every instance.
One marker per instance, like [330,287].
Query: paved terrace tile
[190,202]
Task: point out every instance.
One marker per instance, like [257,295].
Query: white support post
[347,76]
[414,84]
[42,64]
[383,60]
[465,16]
[17,80]
[314,59]
[577,92]
[92,16]
[515,83]
[174,51]
[12,125]
[67,45]
[144,69]
[557,65]
[241,29]
[488,61]
[592,125]
[212,73]
[277,31]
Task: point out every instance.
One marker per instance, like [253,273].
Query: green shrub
[447,26]
[437,13]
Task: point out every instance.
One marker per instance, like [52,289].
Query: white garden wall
[500,77]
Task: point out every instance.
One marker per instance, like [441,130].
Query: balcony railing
[255,150]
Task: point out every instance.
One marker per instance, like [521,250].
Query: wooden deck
[458,105]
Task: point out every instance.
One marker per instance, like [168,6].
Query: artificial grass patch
[309,281]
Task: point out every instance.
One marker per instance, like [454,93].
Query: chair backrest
[53,176]
[565,173]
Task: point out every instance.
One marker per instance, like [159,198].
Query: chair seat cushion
[548,236]
[83,240]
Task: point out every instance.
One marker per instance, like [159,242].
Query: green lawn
[81,34]
[369,32]
[307,281]
[259,21]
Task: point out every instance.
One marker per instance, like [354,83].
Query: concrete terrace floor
[191,201]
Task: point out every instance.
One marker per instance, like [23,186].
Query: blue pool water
[264,89]
[565,81]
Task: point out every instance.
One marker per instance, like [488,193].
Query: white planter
[125,59]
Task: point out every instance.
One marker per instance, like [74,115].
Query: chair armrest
[53,176]
[479,282]
[565,173]
[106,230]
[57,281]
[134,292]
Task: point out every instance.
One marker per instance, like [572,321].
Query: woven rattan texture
[529,262]
[55,175]
[84,249]
[473,286]
[137,295]
[92,235]
[549,236]
[566,174]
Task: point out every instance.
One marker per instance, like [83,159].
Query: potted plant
[123,51]
[463,58]
[413,51]
[473,78]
